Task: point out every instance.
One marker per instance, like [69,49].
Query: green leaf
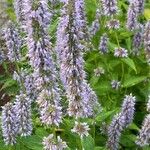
[99,148]
[147,14]
[130,63]
[133,81]
[128,140]
[94,80]
[88,143]
[33,142]
[104,115]
[129,43]
[8,83]
[53,26]
[112,46]
[133,126]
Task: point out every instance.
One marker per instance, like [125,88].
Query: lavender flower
[99,71]
[128,108]
[113,24]
[132,17]
[144,135]
[81,129]
[114,131]
[50,110]
[120,122]
[2,56]
[3,49]
[29,86]
[19,10]
[137,42]
[140,6]
[94,27]
[13,43]
[61,144]
[50,143]
[103,46]
[90,101]
[120,52]
[43,64]
[147,40]
[115,84]
[26,82]
[69,49]
[4,15]
[95,24]
[109,7]
[23,114]
[9,124]
[81,19]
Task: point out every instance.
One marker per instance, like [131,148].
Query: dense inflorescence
[128,109]
[50,143]
[140,6]
[144,135]
[81,129]
[147,40]
[9,128]
[109,7]
[120,52]
[114,131]
[132,23]
[50,108]
[120,122]
[69,49]
[26,82]
[23,114]
[19,10]
[81,19]
[42,62]
[13,43]
[103,46]
[137,42]
[95,24]
[113,24]
[2,56]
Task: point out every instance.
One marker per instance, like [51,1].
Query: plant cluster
[67,66]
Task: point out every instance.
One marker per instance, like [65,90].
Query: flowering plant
[75,75]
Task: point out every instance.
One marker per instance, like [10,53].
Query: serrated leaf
[88,143]
[32,142]
[133,81]
[8,83]
[104,115]
[112,46]
[53,26]
[130,63]
[129,43]
[133,126]
[128,140]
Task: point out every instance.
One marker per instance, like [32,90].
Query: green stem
[81,143]
[122,72]
[117,39]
